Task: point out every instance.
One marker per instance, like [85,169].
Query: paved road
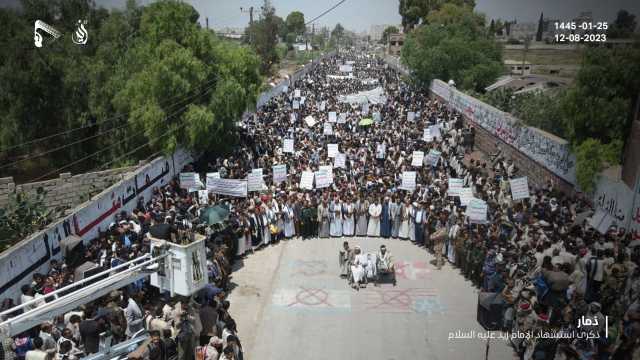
[290,303]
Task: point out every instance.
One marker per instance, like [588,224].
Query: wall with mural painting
[544,149]
[34,253]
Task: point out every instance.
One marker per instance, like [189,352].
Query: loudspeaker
[489,314]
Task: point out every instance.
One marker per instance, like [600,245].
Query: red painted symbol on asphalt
[401,269]
[400,299]
[311,297]
[396,300]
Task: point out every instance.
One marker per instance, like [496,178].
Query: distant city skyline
[361,15]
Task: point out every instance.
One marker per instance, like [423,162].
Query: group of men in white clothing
[359,267]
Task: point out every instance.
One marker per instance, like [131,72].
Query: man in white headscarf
[358,271]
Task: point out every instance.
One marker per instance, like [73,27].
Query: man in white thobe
[375,210]
[358,272]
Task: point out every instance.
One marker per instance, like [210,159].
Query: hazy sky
[359,15]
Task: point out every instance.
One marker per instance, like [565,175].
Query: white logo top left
[79,37]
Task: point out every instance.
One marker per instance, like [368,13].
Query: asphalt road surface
[290,303]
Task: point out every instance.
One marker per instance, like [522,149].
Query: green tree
[388,31]
[414,12]
[599,104]
[623,26]
[22,216]
[454,45]
[264,33]
[169,61]
[281,26]
[591,158]
[460,15]
[295,23]
[337,34]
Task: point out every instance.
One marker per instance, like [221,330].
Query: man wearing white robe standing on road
[348,224]
[336,217]
[375,210]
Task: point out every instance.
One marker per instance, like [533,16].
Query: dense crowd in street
[546,266]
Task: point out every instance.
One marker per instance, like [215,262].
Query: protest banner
[433,157]
[519,188]
[306,180]
[229,187]
[215,175]
[342,118]
[332,150]
[287,146]
[466,195]
[365,109]
[328,129]
[426,135]
[323,179]
[279,173]
[601,221]
[328,169]
[310,121]
[411,116]
[296,104]
[455,185]
[189,180]
[417,158]
[297,93]
[477,211]
[340,161]
[346,68]
[376,116]
[381,151]
[255,181]
[332,116]
[408,181]
[323,105]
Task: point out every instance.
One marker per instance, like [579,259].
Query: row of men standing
[373,218]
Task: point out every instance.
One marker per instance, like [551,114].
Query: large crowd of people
[546,267]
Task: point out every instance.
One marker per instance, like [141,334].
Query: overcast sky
[359,15]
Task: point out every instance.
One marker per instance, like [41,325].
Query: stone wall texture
[67,191]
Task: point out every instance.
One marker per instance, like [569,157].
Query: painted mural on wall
[34,254]
[553,154]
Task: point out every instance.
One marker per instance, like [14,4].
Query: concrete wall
[537,174]
[67,190]
[544,150]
